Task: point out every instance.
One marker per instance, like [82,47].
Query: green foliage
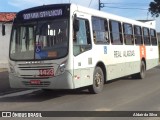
[154,8]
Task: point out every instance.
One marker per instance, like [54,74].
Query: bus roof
[107,15]
[91,11]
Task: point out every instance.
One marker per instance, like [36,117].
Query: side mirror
[3,30]
[76,25]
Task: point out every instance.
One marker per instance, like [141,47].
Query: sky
[135,9]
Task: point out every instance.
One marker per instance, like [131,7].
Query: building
[6,19]
[150,22]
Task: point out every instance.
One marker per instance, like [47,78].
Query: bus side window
[100,30]
[153,37]
[81,37]
[138,35]
[116,32]
[128,34]
[146,36]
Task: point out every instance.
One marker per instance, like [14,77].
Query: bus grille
[31,69]
[42,84]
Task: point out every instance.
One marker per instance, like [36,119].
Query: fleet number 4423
[46,72]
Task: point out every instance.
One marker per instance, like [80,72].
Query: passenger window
[82,39]
[138,35]
[100,30]
[153,37]
[116,33]
[128,34]
[146,36]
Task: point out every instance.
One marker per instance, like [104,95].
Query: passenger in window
[59,36]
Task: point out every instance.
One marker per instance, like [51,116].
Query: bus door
[82,51]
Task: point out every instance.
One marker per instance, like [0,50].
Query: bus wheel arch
[141,74]
[144,60]
[102,66]
[99,77]
[142,68]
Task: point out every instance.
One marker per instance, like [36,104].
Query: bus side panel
[120,60]
[83,69]
[152,57]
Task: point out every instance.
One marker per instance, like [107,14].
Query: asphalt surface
[124,94]
[4,84]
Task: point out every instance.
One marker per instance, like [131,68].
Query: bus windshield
[39,40]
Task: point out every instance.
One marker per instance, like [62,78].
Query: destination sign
[43,14]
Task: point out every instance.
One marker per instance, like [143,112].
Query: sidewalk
[3,69]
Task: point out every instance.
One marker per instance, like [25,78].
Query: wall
[4,45]
[158,35]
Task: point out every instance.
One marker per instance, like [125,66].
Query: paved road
[123,94]
[4,84]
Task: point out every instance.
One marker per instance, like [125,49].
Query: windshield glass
[39,40]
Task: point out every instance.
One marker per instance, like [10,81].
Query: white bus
[67,46]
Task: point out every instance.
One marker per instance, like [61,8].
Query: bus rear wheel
[141,74]
[98,81]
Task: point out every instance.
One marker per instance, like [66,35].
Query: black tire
[141,74]
[98,81]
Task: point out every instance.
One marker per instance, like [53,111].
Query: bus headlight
[11,69]
[61,69]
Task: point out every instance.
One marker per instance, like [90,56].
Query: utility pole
[99,3]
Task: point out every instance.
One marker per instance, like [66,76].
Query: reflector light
[76,77]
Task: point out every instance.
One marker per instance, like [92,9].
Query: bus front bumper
[63,81]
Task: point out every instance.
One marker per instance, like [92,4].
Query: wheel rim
[98,80]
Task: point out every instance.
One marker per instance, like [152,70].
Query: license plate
[46,72]
[35,82]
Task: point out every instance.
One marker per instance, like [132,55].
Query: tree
[154,8]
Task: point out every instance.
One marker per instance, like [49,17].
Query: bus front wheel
[98,81]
